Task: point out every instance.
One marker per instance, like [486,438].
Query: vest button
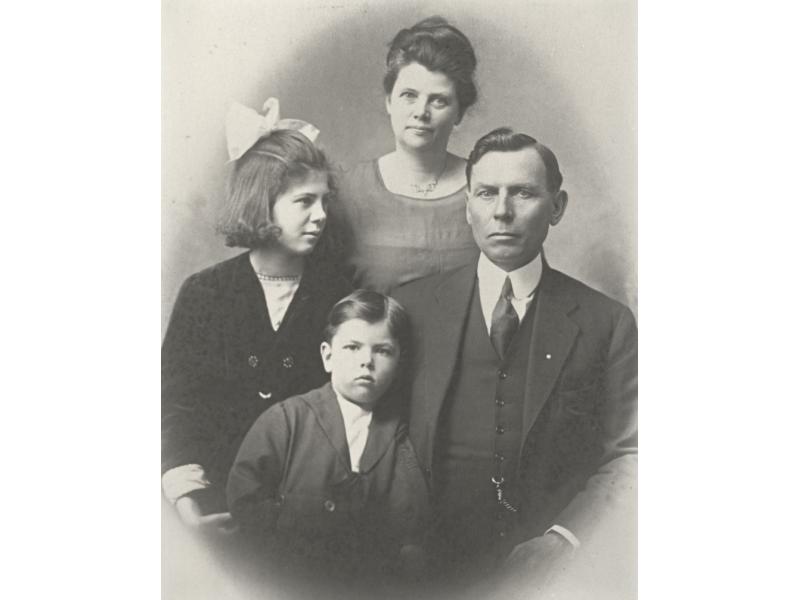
[499,402]
[500,429]
[252,361]
[288,362]
[502,374]
[499,457]
[330,505]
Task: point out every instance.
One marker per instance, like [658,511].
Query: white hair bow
[244,126]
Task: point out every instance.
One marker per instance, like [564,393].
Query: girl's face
[423,108]
[300,212]
[362,359]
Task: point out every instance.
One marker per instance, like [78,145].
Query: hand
[214,524]
[539,559]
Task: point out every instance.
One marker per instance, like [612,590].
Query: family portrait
[399,299]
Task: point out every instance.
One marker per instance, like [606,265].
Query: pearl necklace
[265,277]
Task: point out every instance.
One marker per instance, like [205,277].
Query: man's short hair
[505,139]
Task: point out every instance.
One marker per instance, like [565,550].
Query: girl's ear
[325,353]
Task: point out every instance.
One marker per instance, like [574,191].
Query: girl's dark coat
[223,365]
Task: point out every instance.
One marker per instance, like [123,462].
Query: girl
[243,333]
[406,208]
[328,479]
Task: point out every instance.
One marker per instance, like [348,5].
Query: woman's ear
[325,353]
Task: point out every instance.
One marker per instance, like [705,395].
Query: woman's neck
[269,261]
[423,165]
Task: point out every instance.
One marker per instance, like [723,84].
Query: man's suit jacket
[579,410]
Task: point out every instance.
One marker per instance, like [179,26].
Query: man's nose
[502,207]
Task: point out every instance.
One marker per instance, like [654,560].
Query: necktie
[505,321]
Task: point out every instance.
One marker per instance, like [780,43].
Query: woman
[405,210]
[244,334]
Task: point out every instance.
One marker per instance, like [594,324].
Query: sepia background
[563,71]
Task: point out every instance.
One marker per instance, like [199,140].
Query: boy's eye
[483,194]
[525,194]
[439,102]
[350,347]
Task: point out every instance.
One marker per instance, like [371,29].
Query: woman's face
[423,108]
[301,212]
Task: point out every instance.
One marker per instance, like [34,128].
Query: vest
[479,438]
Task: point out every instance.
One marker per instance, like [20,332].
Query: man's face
[510,208]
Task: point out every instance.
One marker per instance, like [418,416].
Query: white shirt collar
[523,281]
[356,428]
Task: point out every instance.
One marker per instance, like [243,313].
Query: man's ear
[466,207]
[325,353]
[388,103]
[559,207]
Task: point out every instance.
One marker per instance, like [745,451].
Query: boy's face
[362,359]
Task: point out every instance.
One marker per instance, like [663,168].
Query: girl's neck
[277,264]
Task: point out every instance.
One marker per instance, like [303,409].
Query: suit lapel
[382,430]
[553,336]
[442,343]
[248,318]
[329,418]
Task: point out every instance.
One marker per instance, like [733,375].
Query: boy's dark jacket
[292,484]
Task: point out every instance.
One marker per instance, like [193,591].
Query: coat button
[499,402]
[500,429]
[253,361]
[502,374]
[330,505]
[288,362]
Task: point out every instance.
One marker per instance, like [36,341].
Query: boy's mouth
[365,378]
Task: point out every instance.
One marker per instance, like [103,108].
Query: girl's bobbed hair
[258,177]
[439,47]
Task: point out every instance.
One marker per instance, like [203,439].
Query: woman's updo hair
[439,47]
[258,177]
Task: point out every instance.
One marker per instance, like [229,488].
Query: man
[523,383]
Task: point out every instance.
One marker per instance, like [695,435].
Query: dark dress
[223,364]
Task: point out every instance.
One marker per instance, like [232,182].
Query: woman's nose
[421,109]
